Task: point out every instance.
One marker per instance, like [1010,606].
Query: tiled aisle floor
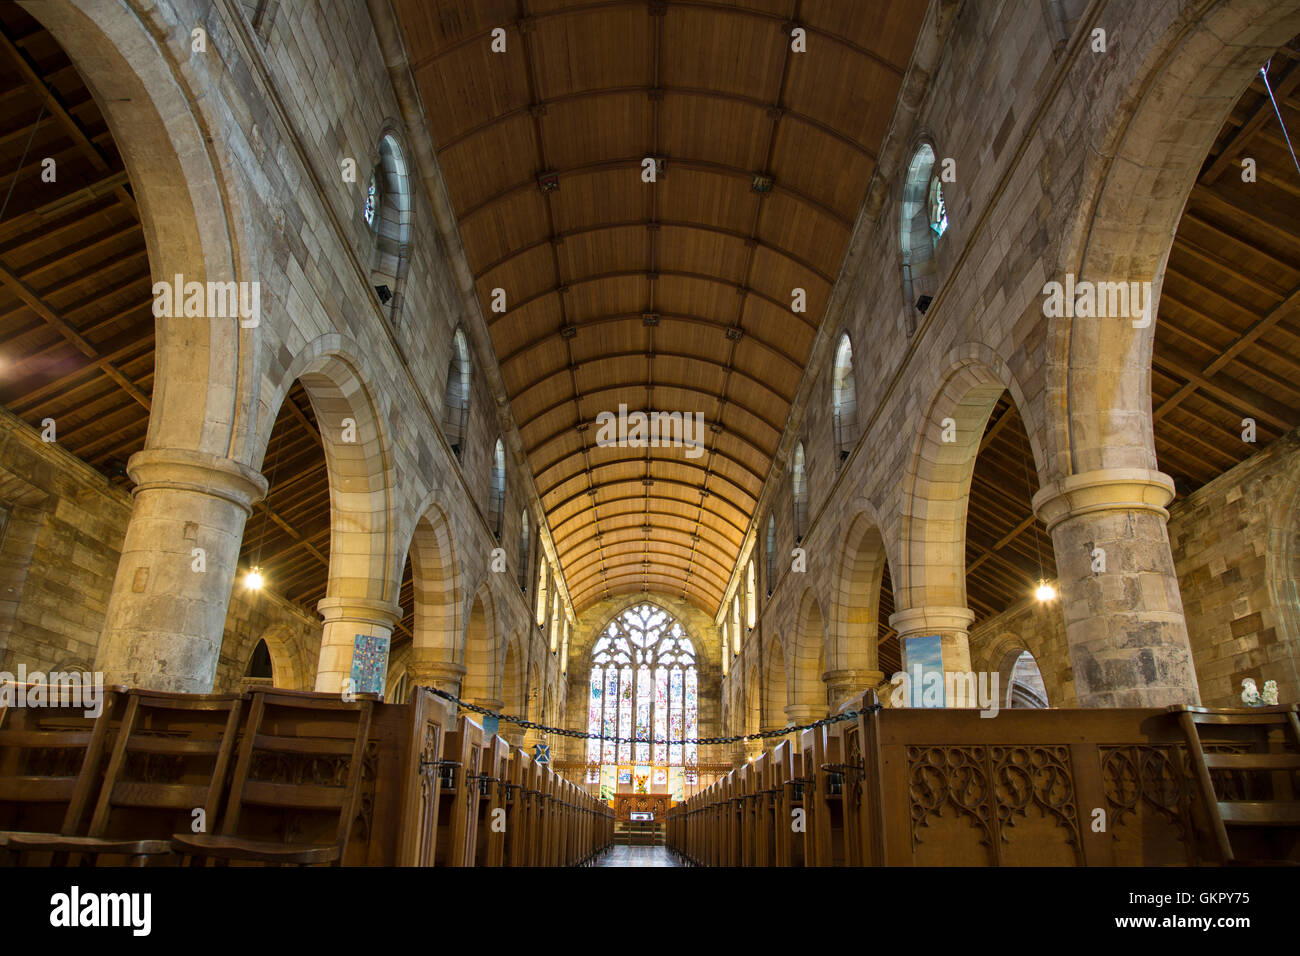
[638,856]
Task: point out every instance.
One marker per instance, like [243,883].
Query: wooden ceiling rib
[586,92]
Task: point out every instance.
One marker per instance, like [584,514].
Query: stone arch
[188,212]
[932,533]
[365,571]
[435,580]
[753,702]
[165,632]
[1133,195]
[512,678]
[854,641]
[776,691]
[286,666]
[808,655]
[478,652]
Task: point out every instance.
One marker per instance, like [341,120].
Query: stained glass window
[643,686]
[372,201]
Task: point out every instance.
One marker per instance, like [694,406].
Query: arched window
[259,665]
[399,688]
[799,487]
[543,595]
[923,221]
[735,625]
[769,562]
[525,550]
[643,686]
[387,211]
[455,406]
[1025,688]
[555,620]
[726,639]
[497,491]
[844,399]
[564,650]
[751,596]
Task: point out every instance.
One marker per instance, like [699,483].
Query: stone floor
[638,856]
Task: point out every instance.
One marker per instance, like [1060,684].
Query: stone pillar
[952,625]
[841,685]
[345,619]
[1118,588]
[428,671]
[167,613]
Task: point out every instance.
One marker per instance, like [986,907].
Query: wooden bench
[51,761]
[459,795]
[167,770]
[491,828]
[297,782]
[1255,754]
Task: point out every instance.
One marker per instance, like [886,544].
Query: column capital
[198,472]
[804,713]
[1106,489]
[360,610]
[931,619]
[849,682]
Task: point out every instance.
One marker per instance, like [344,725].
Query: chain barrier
[699,741]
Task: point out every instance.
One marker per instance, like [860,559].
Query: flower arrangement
[1252,697]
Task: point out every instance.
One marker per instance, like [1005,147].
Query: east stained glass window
[643,688]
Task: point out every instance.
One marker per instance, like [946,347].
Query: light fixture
[253,579]
[1045,591]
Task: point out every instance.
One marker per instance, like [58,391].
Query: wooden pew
[297,782]
[406,805]
[170,760]
[765,810]
[517,814]
[51,761]
[793,842]
[459,795]
[493,769]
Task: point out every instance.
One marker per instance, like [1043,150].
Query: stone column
[1118,588]
[844,684]
[427,670]
[167,613]
[345,619]
[952,625]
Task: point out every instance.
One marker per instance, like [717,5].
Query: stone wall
[1235,546]
[59,551]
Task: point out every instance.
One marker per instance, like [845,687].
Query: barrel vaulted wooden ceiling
[77,331]
[667,296]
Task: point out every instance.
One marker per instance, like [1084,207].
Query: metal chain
[700,741]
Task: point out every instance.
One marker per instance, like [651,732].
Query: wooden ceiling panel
[710,196]
[709,129]
[723,50]
[513,223]
[602,48]
[597,196]
[494,160]
[683,249]
[797,141]
[621,249]
[715,90]
[572,140]
[610,294]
